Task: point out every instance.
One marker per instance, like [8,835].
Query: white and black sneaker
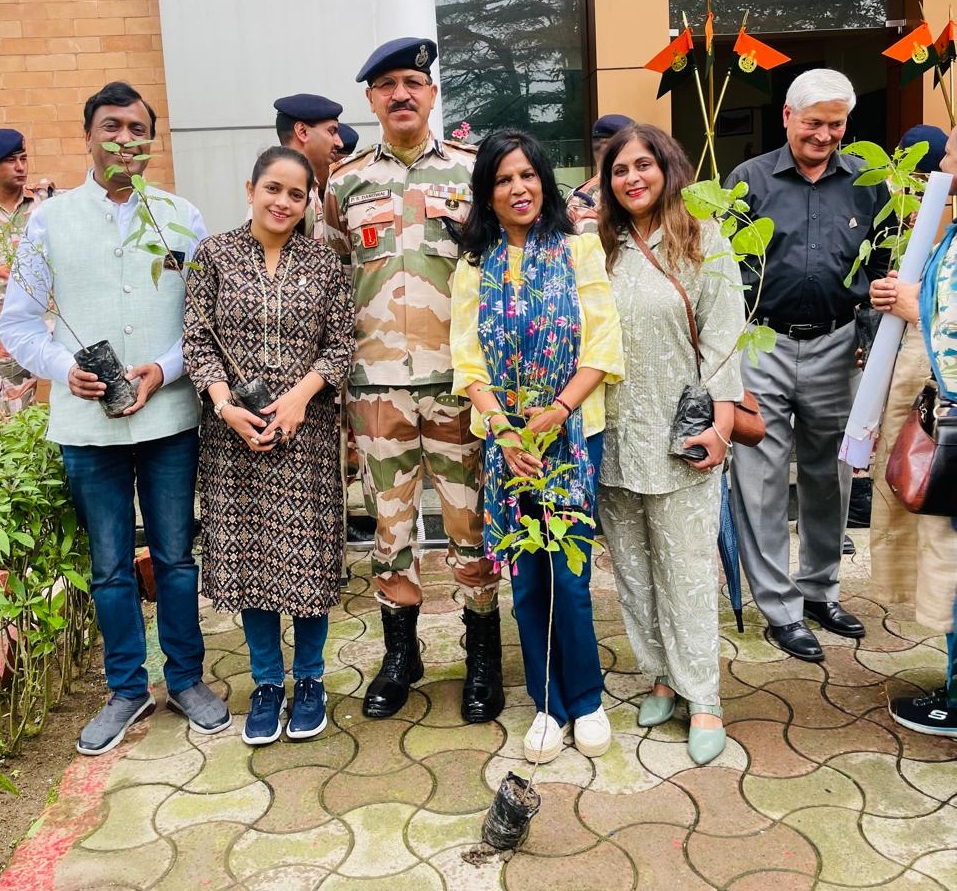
[930,713]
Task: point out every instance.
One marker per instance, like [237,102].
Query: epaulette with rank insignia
[347,162]
[464,146]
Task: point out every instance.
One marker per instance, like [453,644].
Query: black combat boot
[401,666]
[482,696]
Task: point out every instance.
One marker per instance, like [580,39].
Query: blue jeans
[102,481]
[574,680]
[263,636]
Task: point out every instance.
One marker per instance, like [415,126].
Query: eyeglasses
[388,85]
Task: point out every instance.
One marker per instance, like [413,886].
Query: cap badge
[422,57]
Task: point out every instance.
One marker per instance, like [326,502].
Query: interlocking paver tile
[176,770]
[759,674]
[429,833]
[422,877]
[555,830]
[938,779]
[657,854]
[569,767]
[344,681]
[844,669]
[346,791]
[858,701]
[824,787]
[941,865]
[296,799]
[768,749]
[618,770]
[881,639]
[884,794]
[345,628]
[201,854]
[863,735]
[777,879]
[241,687]
[139,867]
[919,656]
[846,858]
[325,846]
[918,746]
[286,878]
[230,664]
[906,881]
[624,655]
[809,707]
[666,758]
[227,762]
[182,809]
[422,741]
[732,686]
[378,845]
[331,749]
[753,646]
[166,736]
[380,747]
[904,840]
[724,810]
[606,813]
[129,818]
[460,874]
[911,630]
[445,704]
[759,704]
[459,784]
[720,859]
[604,867]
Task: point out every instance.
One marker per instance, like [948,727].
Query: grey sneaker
[108,727]
[206,712]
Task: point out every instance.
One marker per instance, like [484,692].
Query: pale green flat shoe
[656,710]
[705,744]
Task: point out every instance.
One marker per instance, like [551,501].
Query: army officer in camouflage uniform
[393,212]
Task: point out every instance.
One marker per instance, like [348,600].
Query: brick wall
[53,55]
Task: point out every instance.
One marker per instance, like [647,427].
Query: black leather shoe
[832,616]
[482,695]
[401,666]
[848,548]
[797,640]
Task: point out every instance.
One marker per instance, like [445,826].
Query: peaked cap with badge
[308,107]
[417,53]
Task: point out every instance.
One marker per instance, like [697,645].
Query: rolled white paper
[865,417]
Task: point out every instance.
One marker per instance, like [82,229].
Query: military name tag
[367,197]
[370,238]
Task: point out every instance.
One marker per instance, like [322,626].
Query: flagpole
[708,131]
[724,89]
[947,97]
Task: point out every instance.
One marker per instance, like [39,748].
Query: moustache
[402,106]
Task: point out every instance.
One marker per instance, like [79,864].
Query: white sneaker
[544,740]
[593,733]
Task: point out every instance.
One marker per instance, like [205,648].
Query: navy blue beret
[609,124]
[11,142]
[403,52]
[309,108]
[349,137]
[937,140]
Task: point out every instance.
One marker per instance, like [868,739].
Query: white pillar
[410,18]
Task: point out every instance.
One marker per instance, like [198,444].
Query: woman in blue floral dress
[532,312]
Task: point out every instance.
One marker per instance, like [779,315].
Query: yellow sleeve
[601,325]
[468,360]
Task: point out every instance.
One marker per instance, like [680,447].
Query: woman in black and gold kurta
[271,494]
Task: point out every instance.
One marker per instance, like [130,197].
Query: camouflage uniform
[583,203]
[315,223]
[392,224]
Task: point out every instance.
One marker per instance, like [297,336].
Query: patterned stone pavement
[817,788]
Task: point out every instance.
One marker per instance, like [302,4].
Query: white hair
[820,85]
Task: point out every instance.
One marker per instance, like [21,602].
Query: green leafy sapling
[906,187]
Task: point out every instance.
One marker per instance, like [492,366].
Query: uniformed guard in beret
[17,386]
[393,212]
[310,125]
[582,203]
[350,139]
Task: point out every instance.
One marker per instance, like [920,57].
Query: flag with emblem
[708,41]
[675,63]
[751,61]
[915,51]
[946,49]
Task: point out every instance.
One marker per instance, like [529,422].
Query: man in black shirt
[820,219]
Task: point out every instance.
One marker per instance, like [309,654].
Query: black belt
[805,330]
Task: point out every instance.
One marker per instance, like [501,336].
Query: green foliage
[709,200]
[46,616]
[897,170]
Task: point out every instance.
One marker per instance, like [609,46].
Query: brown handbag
[922,468]
[748,427]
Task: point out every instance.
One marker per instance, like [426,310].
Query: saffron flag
[708,42]
[915,51]
[752,60]
[946,49]
[675,62]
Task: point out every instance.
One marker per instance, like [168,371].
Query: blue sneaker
[262,723]
[308,709]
